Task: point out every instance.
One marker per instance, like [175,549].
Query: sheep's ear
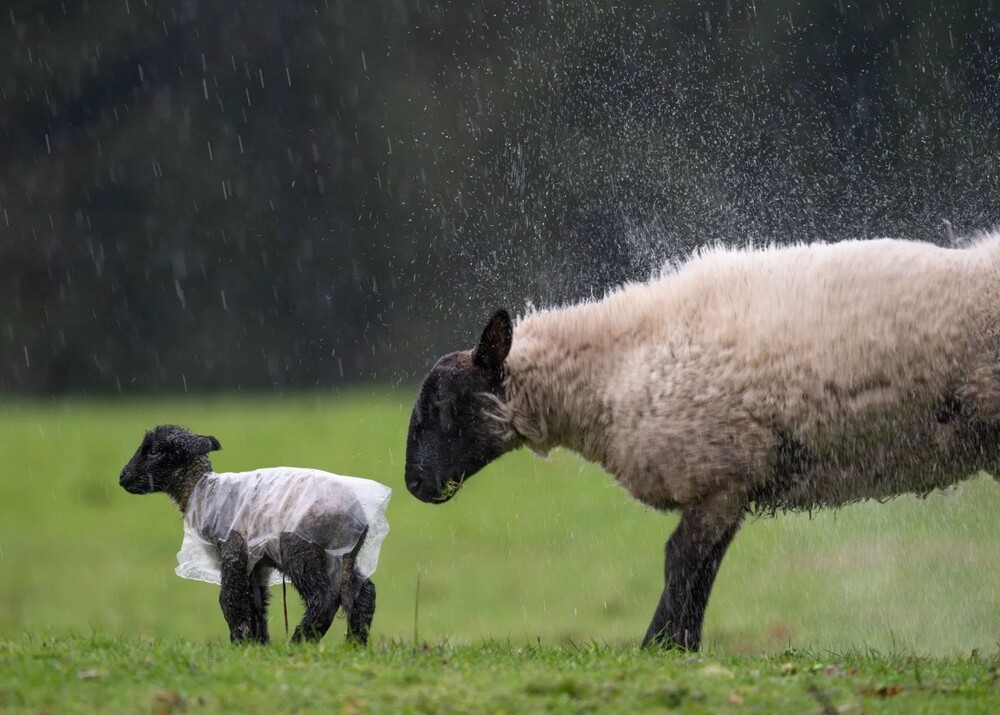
[196,444]
[203,444]
[494,345]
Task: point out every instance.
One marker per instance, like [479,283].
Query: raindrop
[180,294]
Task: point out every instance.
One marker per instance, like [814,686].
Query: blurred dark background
[280,195]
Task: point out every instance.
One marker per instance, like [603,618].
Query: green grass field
[548,562]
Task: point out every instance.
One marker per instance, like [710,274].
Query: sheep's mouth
[134,485]
[429,492]
[449,490]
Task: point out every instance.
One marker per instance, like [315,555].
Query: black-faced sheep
[745,380]
[321,530]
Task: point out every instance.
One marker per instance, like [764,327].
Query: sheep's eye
[447,412]
[445,405]
[155,452]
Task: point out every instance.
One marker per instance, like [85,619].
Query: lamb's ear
[203,444]
[196,444]
[494,345]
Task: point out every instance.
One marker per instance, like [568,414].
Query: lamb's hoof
[358,640]
[241,639]
[662,642]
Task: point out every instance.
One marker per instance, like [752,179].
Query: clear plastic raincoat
[263,505]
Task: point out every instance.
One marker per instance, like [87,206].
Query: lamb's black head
[450,436]
[164,459]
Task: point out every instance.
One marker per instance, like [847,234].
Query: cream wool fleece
[690,387]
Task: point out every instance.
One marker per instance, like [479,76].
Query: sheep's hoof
[357,639]
[662,642]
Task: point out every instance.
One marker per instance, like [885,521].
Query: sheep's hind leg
[358,596]
[693,555]
[361,610]
[261,596]
[236,597]
[305,564]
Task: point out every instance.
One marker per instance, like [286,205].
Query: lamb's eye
[154,452]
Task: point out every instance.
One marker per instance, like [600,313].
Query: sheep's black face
[162,457]
[450,436]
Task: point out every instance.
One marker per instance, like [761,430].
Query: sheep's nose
[414,484]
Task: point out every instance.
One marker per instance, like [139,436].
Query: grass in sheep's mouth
[450,489]
[104,674]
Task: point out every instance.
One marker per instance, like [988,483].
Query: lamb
[753,380]
[323,531]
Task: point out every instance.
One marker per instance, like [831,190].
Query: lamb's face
[161,459]
[451,436]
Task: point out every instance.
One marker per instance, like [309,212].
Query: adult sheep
[745,380]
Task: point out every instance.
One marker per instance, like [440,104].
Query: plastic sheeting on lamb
[326,509]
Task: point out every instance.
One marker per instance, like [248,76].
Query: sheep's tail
[349,583]
[351,556]
[284,602]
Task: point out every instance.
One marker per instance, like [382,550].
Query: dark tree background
[245,195]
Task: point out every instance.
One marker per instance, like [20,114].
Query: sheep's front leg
[236,596]
[693,555]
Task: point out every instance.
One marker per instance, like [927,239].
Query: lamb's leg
[357,594]
[359,620]
[693,555]
[236,597]
[261,596]
[306,567]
